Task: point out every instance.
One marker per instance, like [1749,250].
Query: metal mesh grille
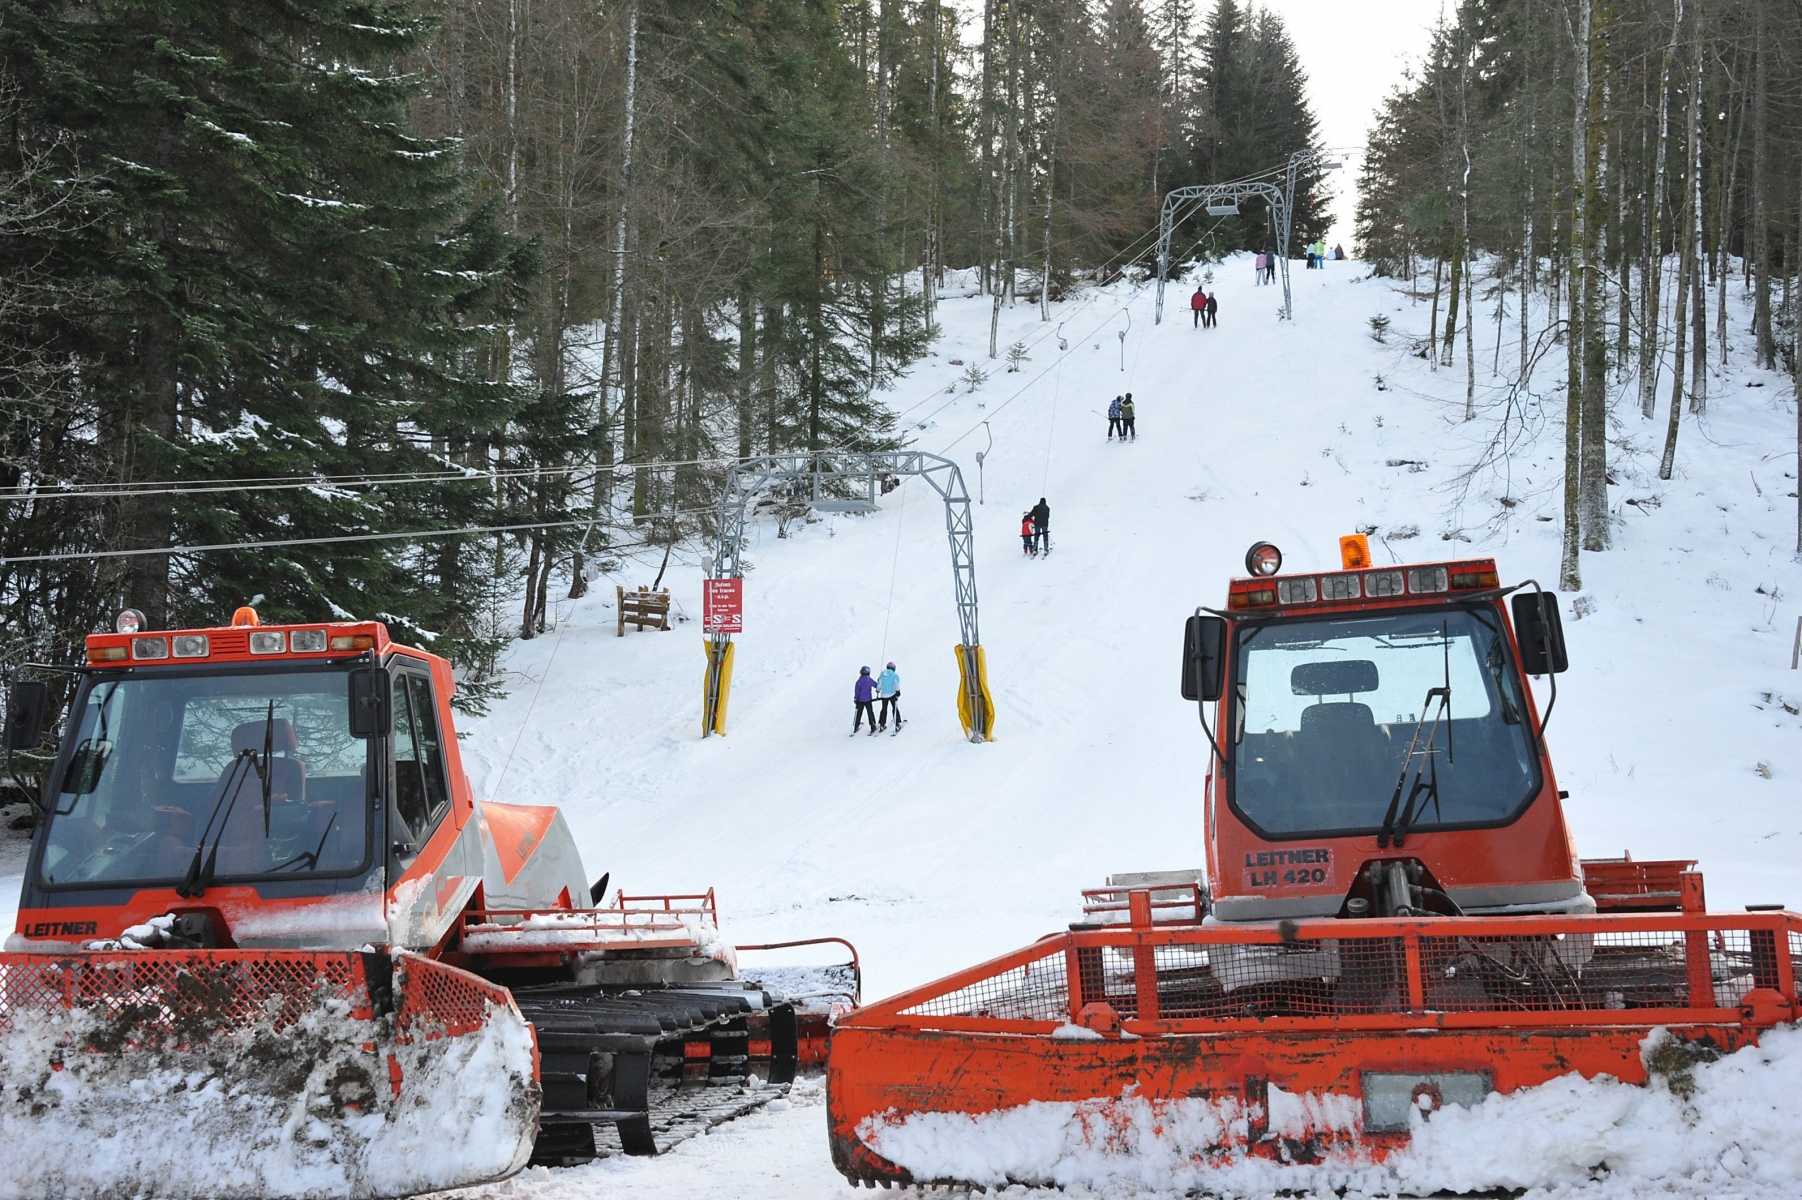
[1588,971]
[1306,977]
[433,1000]
[1035,991]
[179,998]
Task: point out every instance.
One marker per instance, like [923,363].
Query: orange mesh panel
[432,1000]
[180,997]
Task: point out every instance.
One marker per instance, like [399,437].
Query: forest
[1615,166]
[425,311]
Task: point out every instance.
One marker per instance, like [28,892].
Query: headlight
[268,641]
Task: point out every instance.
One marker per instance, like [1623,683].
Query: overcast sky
[1354,51]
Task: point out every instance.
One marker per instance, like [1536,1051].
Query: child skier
[1113,418]
[864,694]
[888,686]
[1027,535]
[1128,430]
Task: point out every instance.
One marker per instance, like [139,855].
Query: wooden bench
[643,608]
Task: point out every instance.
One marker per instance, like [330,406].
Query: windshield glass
[1324,713]
[155,758]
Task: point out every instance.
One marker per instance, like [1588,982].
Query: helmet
[891,666]
[863,670]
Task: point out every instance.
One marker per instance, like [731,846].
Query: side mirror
[371,702]
[1204,657]
[26,706]
[1540,631]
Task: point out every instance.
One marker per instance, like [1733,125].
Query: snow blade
[275,1073]
[1217,1058]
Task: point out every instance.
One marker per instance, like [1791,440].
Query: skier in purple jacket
[865,696]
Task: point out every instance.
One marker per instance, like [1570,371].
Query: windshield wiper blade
[199,877]
[268,771]
[309,857]
[1390,827]
[190,885]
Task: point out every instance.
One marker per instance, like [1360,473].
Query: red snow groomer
[1393,918]
[269,943]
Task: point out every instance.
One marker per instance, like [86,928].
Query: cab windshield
[157,760]
[1324,713]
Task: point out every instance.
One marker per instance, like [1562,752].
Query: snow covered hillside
[930,853]
[1676,730]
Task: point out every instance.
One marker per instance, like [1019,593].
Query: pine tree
[294,283]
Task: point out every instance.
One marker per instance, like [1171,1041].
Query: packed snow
[1675,731]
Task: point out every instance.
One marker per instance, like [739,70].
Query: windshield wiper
[1426,776]
[190,885]
[309,857]
[200,877]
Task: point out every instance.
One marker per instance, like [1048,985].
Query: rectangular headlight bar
[149,647]
[307,641]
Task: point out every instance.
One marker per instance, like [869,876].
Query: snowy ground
[1676,730]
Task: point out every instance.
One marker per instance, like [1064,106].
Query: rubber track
[637,1071]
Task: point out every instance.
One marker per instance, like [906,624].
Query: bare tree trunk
[1470,308]
[613,352]
[1652,273]
[1453,295]
[1529,256]
[1796,359]
[1685,270]
[1698,382]
[1570,569]
[929,267]
[1594,478]
[1050,191]
[1433,314]
[1758,246]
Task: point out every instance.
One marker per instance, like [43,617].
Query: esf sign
[722,606]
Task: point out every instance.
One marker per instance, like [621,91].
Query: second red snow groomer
[1393,920]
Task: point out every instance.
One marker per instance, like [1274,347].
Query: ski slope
[1676,730]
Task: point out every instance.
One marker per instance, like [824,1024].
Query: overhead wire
[275,543]
[294,482]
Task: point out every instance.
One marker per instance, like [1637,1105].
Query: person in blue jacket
[865,696]
[888,686]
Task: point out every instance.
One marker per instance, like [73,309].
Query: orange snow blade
[258,1073]
[1292,1043]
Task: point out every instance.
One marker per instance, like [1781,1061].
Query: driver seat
[1346,762]
[244,849]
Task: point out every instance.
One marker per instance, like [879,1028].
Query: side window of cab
[421,795]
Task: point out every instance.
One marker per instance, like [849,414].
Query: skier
[1041,519]
[1269,266]
[1028,539]
[1127,428]
[865,696]
[1213,310]
[888,686]
[1197,302]
[1113,418]
[1257,272]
